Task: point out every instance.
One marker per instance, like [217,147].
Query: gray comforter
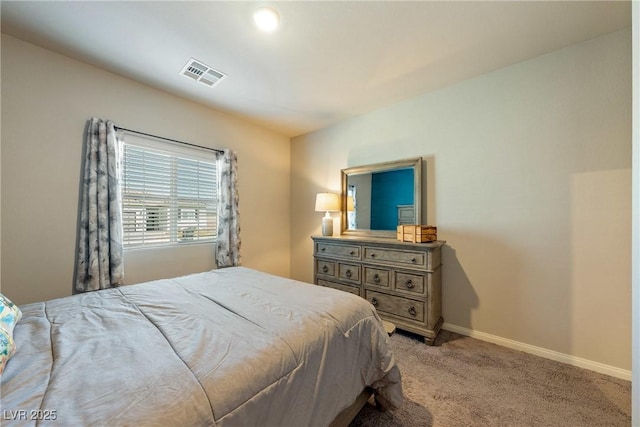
[230,347]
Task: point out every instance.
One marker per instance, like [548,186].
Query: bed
[229,347]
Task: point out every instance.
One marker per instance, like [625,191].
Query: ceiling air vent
[202,73]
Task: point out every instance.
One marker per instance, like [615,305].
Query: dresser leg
[435,332]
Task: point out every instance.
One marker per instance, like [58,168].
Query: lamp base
[327,226]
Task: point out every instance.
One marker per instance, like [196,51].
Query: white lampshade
[327,202]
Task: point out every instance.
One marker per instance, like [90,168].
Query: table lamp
[327,202]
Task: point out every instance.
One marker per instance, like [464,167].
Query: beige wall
[528,173]
[46,101]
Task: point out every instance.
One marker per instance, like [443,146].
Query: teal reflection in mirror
[377,198]
[390,191]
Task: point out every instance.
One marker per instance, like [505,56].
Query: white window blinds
[169,193]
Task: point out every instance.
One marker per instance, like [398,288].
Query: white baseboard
[542,352]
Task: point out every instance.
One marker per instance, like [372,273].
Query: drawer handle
[409,284]
[374,301]
[412,311]
[351,253]
[348,274]
[376,278]
[373,255]
[325,269]
[322,249]
[414,260]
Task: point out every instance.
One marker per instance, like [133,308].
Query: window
[169,193]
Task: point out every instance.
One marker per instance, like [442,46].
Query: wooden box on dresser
[402,280]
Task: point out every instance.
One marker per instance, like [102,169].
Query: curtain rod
[168,139]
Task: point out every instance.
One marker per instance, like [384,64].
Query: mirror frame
[415,163]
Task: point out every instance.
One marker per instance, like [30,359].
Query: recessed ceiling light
[266,19]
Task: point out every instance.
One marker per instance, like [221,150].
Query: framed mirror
[377,198]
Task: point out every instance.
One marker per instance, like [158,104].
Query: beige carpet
[463,381]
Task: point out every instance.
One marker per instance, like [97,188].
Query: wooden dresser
[402,280]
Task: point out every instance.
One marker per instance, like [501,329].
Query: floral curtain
[99,263]
[228,243]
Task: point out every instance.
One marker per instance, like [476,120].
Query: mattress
[229,347]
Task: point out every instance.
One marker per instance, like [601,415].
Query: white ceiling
[327,62]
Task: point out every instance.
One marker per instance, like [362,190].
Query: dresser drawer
[350,272]
[325,268]
[398,306]
[412,283]
[341,287]
[339,251]
[398,257]
[376,277]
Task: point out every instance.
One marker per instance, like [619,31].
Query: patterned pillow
[9,316]
[7,348]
